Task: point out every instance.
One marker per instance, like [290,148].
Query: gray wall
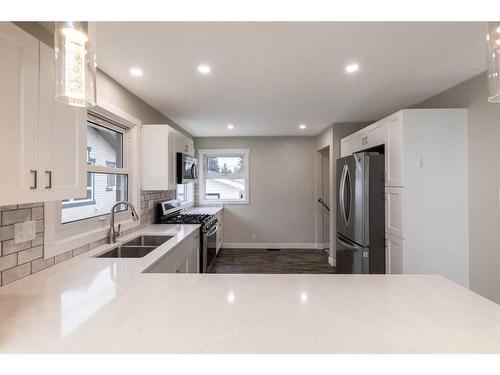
[484,180]
[282,190]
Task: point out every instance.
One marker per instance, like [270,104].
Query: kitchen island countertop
[96,305]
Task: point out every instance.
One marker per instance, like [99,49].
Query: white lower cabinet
[394,254]
[394,211]
[185,258]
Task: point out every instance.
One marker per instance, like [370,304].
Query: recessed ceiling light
[230,126]
[351,68]
[204,69]
[302,126]
[136,72]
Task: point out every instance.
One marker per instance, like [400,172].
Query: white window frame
[190,201]
[59,237]
[203,173]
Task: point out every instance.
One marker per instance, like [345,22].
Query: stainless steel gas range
[170,212]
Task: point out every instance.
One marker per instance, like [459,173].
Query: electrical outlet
[24,231]
[254,236]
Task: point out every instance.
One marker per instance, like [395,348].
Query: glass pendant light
[75,64]
[493,40]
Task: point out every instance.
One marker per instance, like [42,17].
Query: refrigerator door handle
[342,193]
[349,245]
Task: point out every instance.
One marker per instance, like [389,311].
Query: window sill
[223,202]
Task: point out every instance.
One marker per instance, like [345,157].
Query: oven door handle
[213,231]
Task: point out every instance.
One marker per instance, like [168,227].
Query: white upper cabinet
[42,144]
[394,161]
[364,139]
[184,144]
[19,175]
[158,158]
[62,139]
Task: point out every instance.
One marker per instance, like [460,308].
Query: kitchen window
[185,193]
[224,176]
[107,176]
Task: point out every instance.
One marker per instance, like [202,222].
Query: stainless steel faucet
[112,234]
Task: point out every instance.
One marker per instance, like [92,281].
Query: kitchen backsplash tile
[150,198]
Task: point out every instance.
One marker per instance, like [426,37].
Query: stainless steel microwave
[187,168]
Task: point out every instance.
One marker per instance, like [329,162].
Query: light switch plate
[24,231]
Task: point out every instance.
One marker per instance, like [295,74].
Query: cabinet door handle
[49,186]
[35,179]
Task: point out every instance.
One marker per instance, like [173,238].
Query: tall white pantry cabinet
[42,142]
[426,190]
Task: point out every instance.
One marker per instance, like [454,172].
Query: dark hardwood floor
[272,261]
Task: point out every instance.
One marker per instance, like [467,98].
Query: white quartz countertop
[95,305]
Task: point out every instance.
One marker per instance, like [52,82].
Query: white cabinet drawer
[394,211]
[394,254]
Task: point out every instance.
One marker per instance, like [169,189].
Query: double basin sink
[135,248]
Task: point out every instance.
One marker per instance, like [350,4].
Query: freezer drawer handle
[348,245]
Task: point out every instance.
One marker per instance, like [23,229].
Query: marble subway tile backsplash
[150,198]
[25,258]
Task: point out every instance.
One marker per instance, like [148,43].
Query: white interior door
[63,139]
[18,116]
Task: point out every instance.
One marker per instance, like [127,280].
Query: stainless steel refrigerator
[360,243]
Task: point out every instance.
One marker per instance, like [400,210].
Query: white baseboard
[261,245]
[332,262]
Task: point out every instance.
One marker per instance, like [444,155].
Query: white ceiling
[267,78]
